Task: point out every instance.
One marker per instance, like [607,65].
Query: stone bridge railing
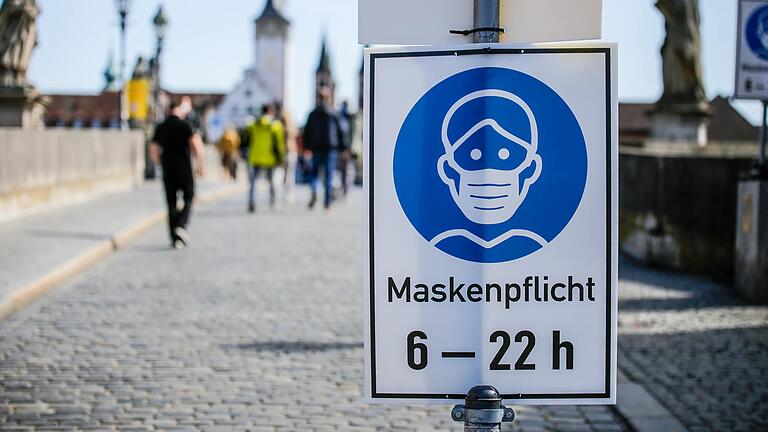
[43,168]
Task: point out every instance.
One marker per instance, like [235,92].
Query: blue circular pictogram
[490,165]
[756,32]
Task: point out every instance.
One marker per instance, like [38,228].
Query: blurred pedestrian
[291,150]
[304,161]
[267,152]
[346,126]
[189,114]
[356,146]
[172,146]
[323,142]
[245,137]
[228,146]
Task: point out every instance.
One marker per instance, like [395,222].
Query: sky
[210,43]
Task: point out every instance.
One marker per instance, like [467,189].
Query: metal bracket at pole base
[482,410]
[487,416]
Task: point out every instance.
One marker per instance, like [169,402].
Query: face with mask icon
[488,169]
[762,30]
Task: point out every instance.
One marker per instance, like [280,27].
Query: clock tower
[272,39]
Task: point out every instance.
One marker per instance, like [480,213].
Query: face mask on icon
[762,31]
[489,195]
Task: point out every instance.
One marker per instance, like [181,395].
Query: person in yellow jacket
[228,146]
[267,151]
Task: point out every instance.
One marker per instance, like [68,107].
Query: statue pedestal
[22,107]
[688,125]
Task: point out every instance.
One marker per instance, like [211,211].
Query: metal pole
[123,54]
[157,111]
[482,410]
[763,132]
[158,108]
[487,16]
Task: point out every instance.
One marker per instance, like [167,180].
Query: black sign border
[609,216]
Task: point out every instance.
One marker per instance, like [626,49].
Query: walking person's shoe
[312,201]
[178,244]
[251,208]
[181,236]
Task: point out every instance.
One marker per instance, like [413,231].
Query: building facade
[265,81]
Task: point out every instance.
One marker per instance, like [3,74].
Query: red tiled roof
[725,123]
[198,99]
[634,116]
[65,108]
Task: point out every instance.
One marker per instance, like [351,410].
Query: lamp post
[123,10]
[160,22]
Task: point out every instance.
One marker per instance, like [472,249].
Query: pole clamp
[482,416]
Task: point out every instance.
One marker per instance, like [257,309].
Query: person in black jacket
[323,142]
[173,144]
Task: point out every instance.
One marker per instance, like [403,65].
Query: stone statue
[681,58]
[18,36]
[141,70]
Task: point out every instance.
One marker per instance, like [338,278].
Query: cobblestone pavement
[697,349]
[48,239]
[256,327]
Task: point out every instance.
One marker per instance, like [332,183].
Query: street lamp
[161,23]
[123,7]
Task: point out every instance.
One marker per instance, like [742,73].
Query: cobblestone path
[257,327]
[696,348]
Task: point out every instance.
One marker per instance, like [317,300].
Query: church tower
[272,42]
[324,75]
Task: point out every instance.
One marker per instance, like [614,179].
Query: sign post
[491,179]
[752,65]
[487,14]
[482,409]
[752,83]
[760,169]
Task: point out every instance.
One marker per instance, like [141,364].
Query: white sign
[752,50]
[492,222]
[425,22]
